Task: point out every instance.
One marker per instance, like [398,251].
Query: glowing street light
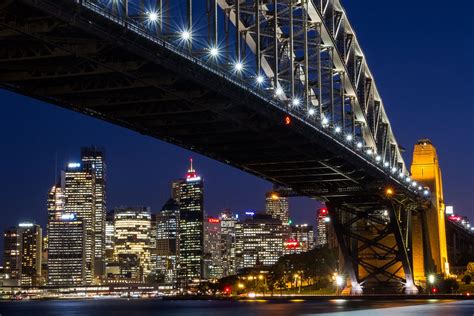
[431,279]
[339,280]
[389,191]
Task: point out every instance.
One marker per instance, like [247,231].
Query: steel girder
[374,235]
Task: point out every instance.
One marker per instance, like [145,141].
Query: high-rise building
[56,201]
[322,220]
[109,237]
[212,249]
[93,159]
[259,241]
[67,251]
[277,207]
[80,194]
[12,252]
[132,242]
[301,239]
[31,239]
[167,242]
[228,242]
[190,236]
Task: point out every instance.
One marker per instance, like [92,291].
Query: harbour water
[148,307]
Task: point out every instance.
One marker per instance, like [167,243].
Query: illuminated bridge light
[337,130]
[186,35]
[239,66]
[311,111]
[349,138]
[426,192]
[401,175]
[386,164]
[325,121]
[214,51]
[278,91]
[369,152]
[296,102]
[414,183]
[260,79]
[152,16]
[378,158]
[420,188]
[359,145]
[394,169]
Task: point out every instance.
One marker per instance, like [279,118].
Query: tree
[448,286]
[467,279]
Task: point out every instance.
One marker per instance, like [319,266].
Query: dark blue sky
[420,53]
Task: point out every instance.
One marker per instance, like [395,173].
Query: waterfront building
[80,201]
[167,243]
[56,201]
[67,253]
[93,159]
[109,237]
[190,196]
[132,231]
[31,240]
[212,249]
[259,241]
[12,252]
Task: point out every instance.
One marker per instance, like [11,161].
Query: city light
[311,111]
[287,120]
[386,164]
[378,158]
[337,130]
[339,280]
[73,165]
[349,137]
[260,79]
[394,169]
[238,66]
[369,152]
[24,225]
[389,191]
[359,145]
[186,35]
[296,102]
[431,279]
[214,51]
[325,121]
[152,16]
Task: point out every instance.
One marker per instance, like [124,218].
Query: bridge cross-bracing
[279,89]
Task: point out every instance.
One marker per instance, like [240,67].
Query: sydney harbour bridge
[277,88]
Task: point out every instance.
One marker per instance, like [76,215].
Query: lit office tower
[277,207]
[79,188]
[322,220]
[11,252]
[301,239]
[212,249]
[30,256]
[67,251]
[190,236]
[109,236]
[167,242]
[228,242]
[259,240]
[94,159]
[56,201]
[132,242]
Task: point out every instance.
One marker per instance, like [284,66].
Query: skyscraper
[301,239]
[277,207]
[67,251]
[212,249]
[31,254]
[259,240]
[56,201]
[132,242]
[109,236]
[228,242]
[12,252]
[167,242]
[190,236]
[322,220]
[93,159]
[80,200]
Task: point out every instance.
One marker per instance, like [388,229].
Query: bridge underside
[53,52]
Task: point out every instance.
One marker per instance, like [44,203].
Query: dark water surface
[148,307]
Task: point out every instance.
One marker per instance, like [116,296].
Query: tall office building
[93,159]
[301,239]
[277,207]
[167,242]
[132,242]
[31,239]
[67,264]
[109,237]
[212,249]
[322,220]
[79,188]
[12,252]
[259,241]
[228,242]
[56,201]
[190,236]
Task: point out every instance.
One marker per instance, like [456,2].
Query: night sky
[420,53]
